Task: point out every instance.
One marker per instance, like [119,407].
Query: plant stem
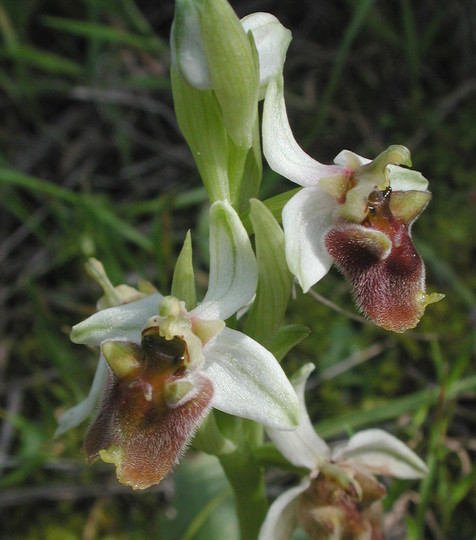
[246,478]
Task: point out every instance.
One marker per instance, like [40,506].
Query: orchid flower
[357,213]
[340,497]
[167,366]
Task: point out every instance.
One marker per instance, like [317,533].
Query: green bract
[211,50]
[221,67]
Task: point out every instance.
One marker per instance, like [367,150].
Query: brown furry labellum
[379,258]
[328,510]
[150,409]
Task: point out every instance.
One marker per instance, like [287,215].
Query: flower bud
[211,51]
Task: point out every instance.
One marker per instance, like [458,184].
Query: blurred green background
[92,164]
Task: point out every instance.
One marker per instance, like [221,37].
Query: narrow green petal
[183,281]
[408,205]
[123,357]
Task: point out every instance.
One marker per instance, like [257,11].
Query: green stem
[247,480]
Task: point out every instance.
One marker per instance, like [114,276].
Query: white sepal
[272,40]
[306,218]
[281,518]
[233,270]
[248,381]
[381,453]
[280,148]
[187,48]
[77,414]
[122,323]
[350,160]
[302,447]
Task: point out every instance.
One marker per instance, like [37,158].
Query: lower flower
[331,510]
[149,411]
[340,498]
[163,366]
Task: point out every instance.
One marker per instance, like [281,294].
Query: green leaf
[286,338]
[275,279]
[203,503]
[274,204]
[245,173]
[183,281]
[105,33]
[43,60]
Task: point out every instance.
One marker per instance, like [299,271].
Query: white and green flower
[356,213]
[339,498]
[167,365]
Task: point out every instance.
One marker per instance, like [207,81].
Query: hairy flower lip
[139,431]
[379,258]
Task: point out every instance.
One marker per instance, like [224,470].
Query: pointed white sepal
[381,453]
[281,518]
[248,381]
[306,218]
[280,148]
[187,48]
[233,269]
[121,323]
[272,40]
[302,447]
[77,414]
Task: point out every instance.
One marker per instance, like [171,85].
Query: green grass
[92,164]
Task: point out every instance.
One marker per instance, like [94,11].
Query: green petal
[183,281]
[408,205]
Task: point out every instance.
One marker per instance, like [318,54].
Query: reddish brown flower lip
[137,427]
[379,258]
